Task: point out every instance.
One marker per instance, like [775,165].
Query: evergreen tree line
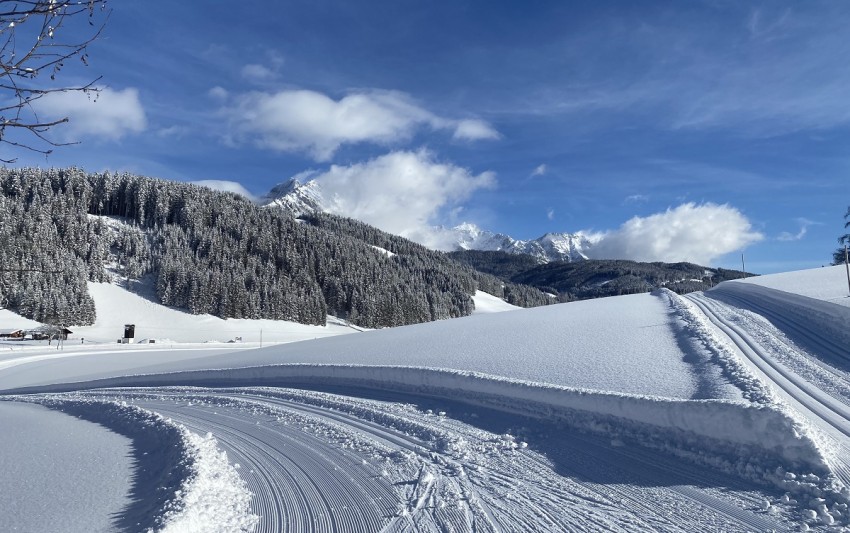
[591,278]
[213,252]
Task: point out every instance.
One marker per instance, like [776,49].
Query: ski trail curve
[319,461]
[816,406]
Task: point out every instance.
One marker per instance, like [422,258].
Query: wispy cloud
[312,122]
[539,170]
[786,236]
[636,199]
[550,213]
[258,73]
[778,70]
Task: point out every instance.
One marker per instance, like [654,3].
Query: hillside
[214,253]
[593,278]
[553,407]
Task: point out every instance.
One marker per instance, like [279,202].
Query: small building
[12,334]
[49,333]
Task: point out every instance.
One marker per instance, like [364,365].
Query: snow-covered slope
[643,412]
[827,283]
[297,199]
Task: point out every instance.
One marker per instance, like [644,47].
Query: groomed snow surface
[726,411]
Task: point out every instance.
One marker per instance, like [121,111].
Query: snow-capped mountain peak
[549,247]
[299,198]
[295,197]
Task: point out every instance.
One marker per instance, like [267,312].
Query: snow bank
[752,434]
[827,283]
[826,322]
[182,483]
[214,499]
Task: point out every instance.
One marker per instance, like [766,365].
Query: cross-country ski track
[299,447]
[769,355]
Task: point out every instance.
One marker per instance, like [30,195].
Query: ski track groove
[305,480]
[824,410]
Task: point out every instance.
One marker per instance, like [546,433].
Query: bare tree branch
[30,47]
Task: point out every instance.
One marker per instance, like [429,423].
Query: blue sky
[722,126]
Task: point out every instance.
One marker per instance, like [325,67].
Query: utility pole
[847,266]
[743,268]
[261,338]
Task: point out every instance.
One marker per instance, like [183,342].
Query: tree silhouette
[37,39]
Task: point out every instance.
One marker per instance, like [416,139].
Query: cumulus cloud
[226,186]
[312,122]
[108,114]
[689,232]
[403,192]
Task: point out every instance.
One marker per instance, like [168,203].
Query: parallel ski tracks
[822,409]
[320,487]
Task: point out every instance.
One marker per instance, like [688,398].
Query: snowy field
[827,283]
[720,411]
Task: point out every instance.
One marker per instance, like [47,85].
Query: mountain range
[306,198]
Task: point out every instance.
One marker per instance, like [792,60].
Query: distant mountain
[300,199]
[295,198]
[567,247]
[595,278]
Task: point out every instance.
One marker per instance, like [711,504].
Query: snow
[710,385]
[545,344]
[94,466]
[487,303]
[827,283]
[116,307]
[384,251]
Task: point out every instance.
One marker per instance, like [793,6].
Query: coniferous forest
[212,252]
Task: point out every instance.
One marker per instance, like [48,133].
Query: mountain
[593,278]
[299,199]
[210,252]
[295,198]
[550,247]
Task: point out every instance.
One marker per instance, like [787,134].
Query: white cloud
[226,186]
[475,130]
[258,73]
[804,228]
[404,193]
[218,93]
[108,114]
[689,232]
[175,131]
[540,170]
[636,198]
[312,122]
[550,214]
